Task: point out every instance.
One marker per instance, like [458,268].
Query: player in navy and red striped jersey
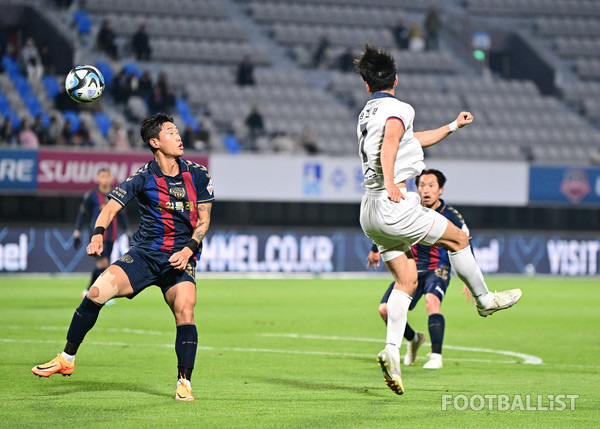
[91,206]
[433,266]
[175,199]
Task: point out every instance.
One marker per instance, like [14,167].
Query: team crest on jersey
[177,192]
[127,258]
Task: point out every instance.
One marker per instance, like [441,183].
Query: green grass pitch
[291,353]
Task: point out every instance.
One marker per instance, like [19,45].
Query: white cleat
[434,362]
[391,371]
[412,347]
[501,301]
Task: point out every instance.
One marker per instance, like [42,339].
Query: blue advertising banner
[50,250]
[564,185]
[18,170]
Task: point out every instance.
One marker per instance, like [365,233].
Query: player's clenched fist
[464,118]
[95,248]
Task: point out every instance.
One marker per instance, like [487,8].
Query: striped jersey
[91,206]
[370,131]
[168,205]
[432,257]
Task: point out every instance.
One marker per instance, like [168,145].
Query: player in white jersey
[391,153]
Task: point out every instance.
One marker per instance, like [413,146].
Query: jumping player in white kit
[391,153]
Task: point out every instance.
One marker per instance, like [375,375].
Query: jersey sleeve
[456,218]
[130,188]
[403,112]
[204,185]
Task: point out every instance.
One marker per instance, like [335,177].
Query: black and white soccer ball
[84,84]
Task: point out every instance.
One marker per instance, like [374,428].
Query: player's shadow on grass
[79,386]
[312,385]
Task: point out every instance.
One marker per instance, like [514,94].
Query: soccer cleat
[58,365]
[412,347]
[184,390]
[434,362]
[501,301]
[391,371]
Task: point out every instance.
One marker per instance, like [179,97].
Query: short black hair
[377,68]
[151,126]
[437,173]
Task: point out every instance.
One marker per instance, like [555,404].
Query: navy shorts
[433,281]
[146,268]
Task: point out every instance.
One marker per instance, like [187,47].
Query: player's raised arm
[104,219]
[431,137]
[180,259]
[394,130]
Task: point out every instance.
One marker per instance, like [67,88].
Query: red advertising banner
[71,171]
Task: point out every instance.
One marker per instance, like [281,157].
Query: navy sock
[436,332]
[83,320]
[409,333]
[186,344]
[95,274]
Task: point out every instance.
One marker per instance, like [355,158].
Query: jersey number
[363,137]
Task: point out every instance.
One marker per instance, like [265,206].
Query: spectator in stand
[256,127]
[47,60]
[140,43]
[308,141]
[106,39]
[54,131]
[66,134]
[8,133]
[400,34]
[322,52]
[346,61]
[416,42]
[31,61]
[82,137]
[145,85]
[122,87]
[117,138]
[40,130]
[27,138]
[432,25]
[245,72]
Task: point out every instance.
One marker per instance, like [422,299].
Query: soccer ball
[84,84]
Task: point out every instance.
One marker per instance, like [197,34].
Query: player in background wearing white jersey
[391,153]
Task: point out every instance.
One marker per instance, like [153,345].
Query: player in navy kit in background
[175,199]
[433,266]
[91,206]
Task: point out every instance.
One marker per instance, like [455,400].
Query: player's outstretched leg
[391,370]
[412,347]
[488,302]
[58,365]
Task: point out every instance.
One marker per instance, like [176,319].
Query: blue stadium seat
[72,116]
[132,69]
[104,123]
[83,21]
[106,71]
[51,85]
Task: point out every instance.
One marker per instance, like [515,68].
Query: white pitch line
[527,359]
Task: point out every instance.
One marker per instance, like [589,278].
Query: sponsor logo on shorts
[127,258]
[191,271]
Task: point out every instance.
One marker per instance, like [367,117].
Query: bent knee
[383,311]
[103,293]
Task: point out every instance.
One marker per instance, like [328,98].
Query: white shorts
[395,227]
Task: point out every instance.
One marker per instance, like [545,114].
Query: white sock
[68,358]
[397,308]
[468,271]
